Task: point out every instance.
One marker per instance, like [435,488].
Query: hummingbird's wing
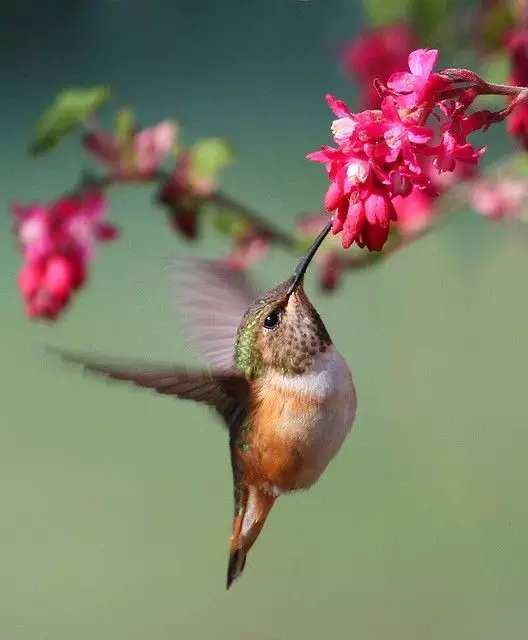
[227,392]
[211,299]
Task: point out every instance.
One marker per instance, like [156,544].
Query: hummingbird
[275,379]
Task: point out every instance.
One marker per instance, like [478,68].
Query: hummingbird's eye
[272,320]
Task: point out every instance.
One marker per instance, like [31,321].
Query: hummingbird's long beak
[300,270]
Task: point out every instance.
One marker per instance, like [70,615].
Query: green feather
[246,354]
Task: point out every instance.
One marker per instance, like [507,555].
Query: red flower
[183,194]
[454,147]
[137,158]
[421,85]
[401,133]
[330,270]
[387,153]
[58,242]
[517,122]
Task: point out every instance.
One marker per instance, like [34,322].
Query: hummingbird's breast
[299,423]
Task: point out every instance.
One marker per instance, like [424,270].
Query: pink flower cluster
[136,158]
[57,243]
[419,132]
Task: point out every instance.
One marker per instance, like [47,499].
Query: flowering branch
[217,197]
[392,173]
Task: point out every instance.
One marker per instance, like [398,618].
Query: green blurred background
[116,506]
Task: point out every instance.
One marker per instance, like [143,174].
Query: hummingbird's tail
[247,526]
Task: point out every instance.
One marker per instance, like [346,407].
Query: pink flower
[421,85]
[330,270]
[400,150]
[447,179]
[517,125]
[365,220]
[500,199]
[57,242]
[183,194]
[137,158]
[378,54]
[454,146]
[400,135]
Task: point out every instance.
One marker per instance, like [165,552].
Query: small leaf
[209,156]
[229,224]
[70,107]
[125,126]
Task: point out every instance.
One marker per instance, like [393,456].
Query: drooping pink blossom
[182,194]
[57,242]
[136,158]
[330,271]
[400,150]
[421,85]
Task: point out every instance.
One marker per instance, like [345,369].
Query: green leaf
[70,107]
[229,224]
[380,12]
[125,126]
[209,156]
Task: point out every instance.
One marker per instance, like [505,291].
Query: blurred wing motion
[211,299]
[224,391]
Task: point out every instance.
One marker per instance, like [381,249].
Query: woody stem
[218,198]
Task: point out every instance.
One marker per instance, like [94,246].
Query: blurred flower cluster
[57,242]
[401,162]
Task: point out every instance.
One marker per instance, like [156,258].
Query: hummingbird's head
[282,330]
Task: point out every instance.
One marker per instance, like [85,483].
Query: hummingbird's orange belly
[296,435]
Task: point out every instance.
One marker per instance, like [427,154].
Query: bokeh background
[116,506]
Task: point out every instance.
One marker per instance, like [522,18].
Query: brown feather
[227,392]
